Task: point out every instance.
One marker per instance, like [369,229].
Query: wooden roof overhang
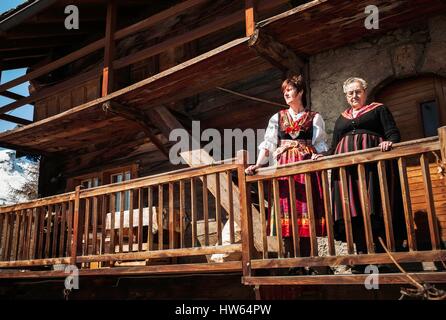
[327,24]
[89,123]
[307,30]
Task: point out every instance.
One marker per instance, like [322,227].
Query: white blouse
[319,140]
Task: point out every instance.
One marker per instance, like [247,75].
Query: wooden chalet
[106,97]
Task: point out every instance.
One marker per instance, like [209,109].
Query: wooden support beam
[250,17]
[138,116]
[110,26]
[276,53]
[12,95]
[13,119]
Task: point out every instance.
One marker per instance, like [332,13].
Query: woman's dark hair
[298,82]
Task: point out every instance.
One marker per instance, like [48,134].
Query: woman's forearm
[263,157]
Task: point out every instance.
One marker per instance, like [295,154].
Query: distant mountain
[14,173]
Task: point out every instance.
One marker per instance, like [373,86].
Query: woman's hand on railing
[251,170]
[316,156]
[386,145]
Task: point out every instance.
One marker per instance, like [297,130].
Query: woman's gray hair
[354,79]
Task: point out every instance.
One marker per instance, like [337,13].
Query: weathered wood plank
[365,205]
[4,238]
[230,207]
[346,210]
[387,213]
[182,214]
[112,222]
[49,218]
[70,230]
[402,149]
[263,219]
[63,229]
[172,220]
[294,226]
[430,205]
[150,204]
[407,204]
[87,226]
[250,17]
[311,216]
[193,203]
[109,52]
[246,213]
[340,279]
[77,228]
[160,217]
[351,259]
[130,232]
[55,230]
[40,249]
[167,253]
[218,208]
[328,213]
[140,218]
[277,217]
[95,224]
[121,220]
[205,210]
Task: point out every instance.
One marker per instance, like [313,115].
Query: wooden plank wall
[67,99]
[403,99]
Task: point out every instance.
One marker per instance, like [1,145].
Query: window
[119,177]
[108,176]
[429,113]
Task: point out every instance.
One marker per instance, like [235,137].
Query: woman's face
[291,95]
[356,95]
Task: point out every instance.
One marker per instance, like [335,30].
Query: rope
[424,291]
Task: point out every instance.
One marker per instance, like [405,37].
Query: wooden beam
[12,95]
[92,47]
[13,119]
[138,116]
[109,54]
[276,53]
[230,266]
[250,17]
[346,279]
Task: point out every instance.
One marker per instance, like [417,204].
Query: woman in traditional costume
[360,127]
[293,135]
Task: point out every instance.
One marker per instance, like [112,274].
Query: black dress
[373,124]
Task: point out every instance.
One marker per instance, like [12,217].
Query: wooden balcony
[116,229]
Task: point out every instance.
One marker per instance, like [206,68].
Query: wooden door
[419,108]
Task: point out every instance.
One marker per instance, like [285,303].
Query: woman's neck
[297,107]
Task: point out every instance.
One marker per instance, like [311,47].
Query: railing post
[442,138]
[245,213]
[74,244]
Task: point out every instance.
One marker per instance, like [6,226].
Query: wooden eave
[321,25]
[89,123]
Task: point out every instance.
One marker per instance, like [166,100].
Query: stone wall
[405,52]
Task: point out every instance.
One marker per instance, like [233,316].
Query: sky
[26,111]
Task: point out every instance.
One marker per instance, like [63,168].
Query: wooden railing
[175,221]
[415,152]
[173,215]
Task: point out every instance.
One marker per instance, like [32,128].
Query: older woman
[293,135]
[359,127]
